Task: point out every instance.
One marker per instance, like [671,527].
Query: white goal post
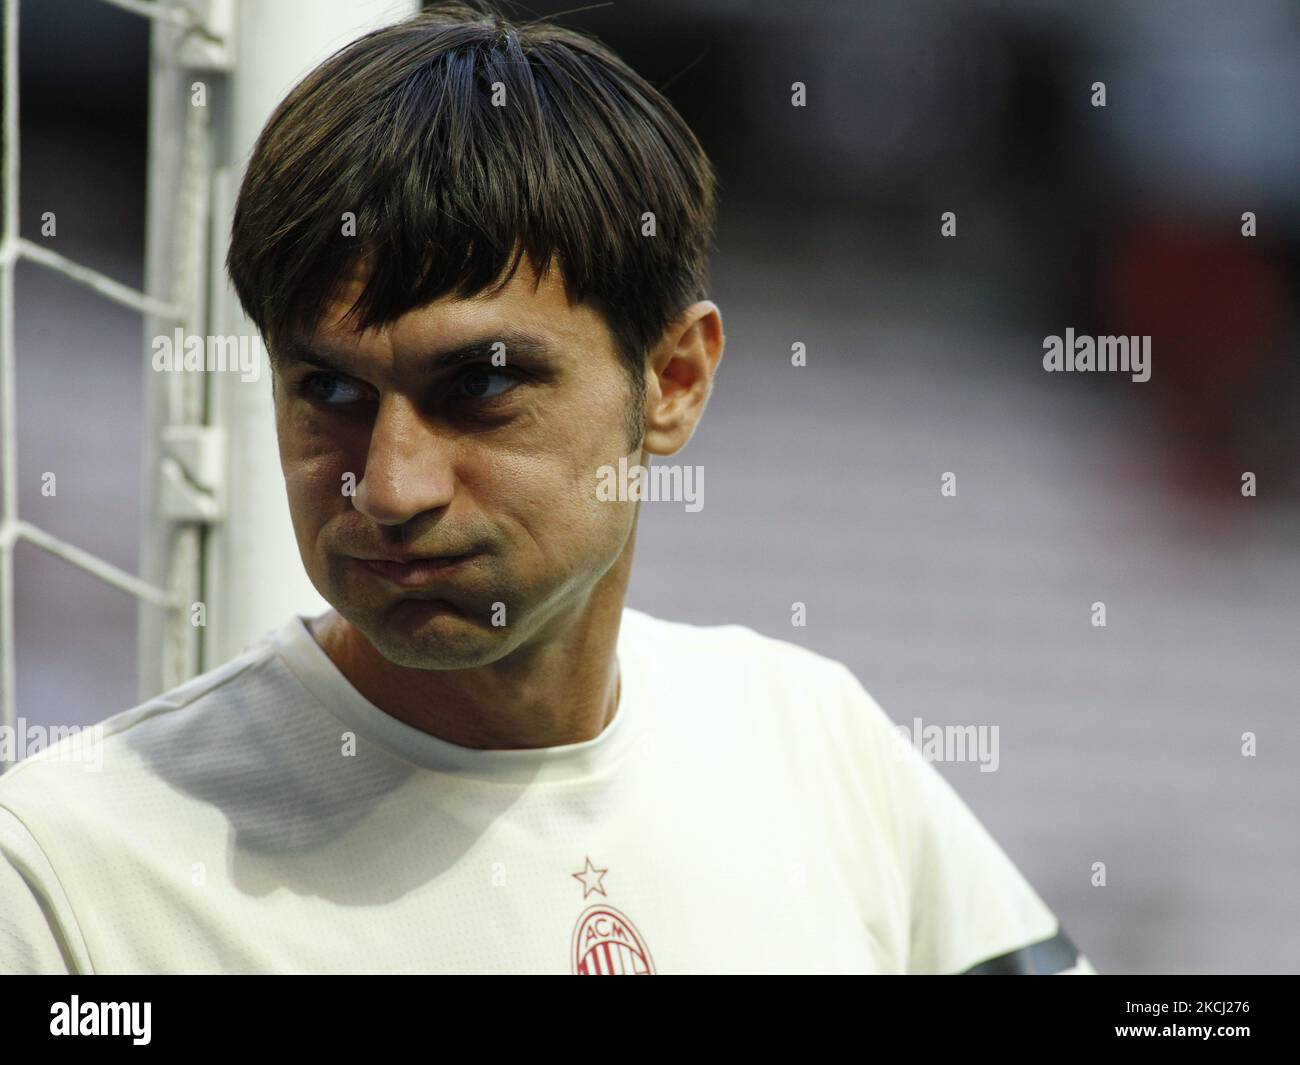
[217,452]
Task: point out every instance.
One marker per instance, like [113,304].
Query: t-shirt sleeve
[971,910]
[36,924]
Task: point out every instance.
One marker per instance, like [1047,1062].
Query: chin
[424,634]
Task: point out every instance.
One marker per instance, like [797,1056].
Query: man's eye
[476,383]
[331,389]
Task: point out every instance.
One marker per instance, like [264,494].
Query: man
[478,253]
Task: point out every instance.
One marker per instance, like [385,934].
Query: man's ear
[680,375]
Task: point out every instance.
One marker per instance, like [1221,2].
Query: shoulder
[801,685]
[809,706]
[729,646]
[38,931]
[82,817]
[159,737]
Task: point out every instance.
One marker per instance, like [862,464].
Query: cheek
[315,489]
[545,502]
[600,526]
[589,532]
[313,467]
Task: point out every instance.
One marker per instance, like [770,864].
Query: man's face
[497,462]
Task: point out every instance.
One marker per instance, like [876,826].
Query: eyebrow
[517,344]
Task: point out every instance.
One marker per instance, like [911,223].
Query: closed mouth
[415,572]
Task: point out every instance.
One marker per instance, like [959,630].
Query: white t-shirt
[744,812]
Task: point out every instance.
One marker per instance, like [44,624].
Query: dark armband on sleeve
[1043,958]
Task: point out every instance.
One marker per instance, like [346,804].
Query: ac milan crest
[605,941]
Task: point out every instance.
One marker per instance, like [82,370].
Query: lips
[418,572]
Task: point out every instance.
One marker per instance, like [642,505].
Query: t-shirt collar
[316,671]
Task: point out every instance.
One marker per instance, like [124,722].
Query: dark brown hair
[450,192]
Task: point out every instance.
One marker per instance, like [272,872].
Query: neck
[562,687]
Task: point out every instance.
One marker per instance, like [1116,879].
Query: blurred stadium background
[1119,745]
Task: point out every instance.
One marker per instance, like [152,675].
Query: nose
[409,467]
